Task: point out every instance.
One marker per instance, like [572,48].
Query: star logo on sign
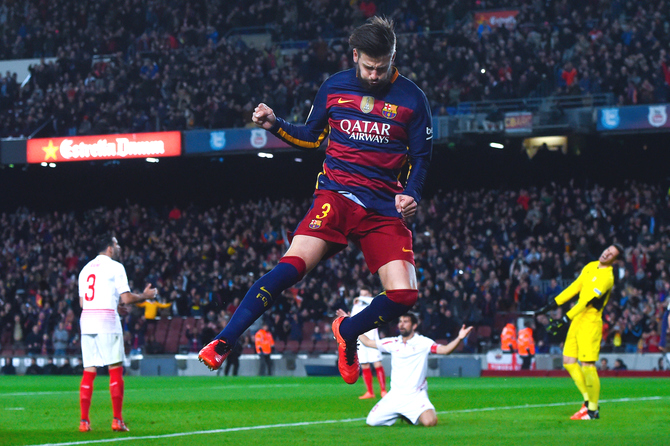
[50,151]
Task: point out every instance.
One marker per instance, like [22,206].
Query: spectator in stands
[60,339]
[66,368]
[151,308]
[33,368]
[619,365]
[50,368]
[152,346]
[604,364]
[17,335]
[34,341]
[8,368]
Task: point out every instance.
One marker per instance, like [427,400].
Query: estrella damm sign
[103,147]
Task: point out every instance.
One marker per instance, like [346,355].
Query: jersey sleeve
[82,284]
[384,344]
[121,280]
[313,132]
[420,149]
[572,290]
[597,289]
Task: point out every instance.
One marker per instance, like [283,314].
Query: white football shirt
[101,283]
[409,362]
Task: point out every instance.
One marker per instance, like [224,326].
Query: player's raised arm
[264,116]
[450,347]
[306,136]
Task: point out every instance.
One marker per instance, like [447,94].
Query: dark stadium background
[204,181]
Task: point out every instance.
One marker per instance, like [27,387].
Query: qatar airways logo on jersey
[366,131]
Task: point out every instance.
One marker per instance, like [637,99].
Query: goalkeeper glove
[557,325]
[551,306]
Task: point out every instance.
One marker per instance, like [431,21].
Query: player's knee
[373,421]
[428,418]
[403,297]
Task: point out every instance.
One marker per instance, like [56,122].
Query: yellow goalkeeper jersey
[594,286]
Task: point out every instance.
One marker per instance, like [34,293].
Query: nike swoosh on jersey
[344,101]
[406,250]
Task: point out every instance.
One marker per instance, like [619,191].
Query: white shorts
[367,355]
[99,350]
[393,405]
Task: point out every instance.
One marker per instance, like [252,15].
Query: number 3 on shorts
[90,293]
[326,210]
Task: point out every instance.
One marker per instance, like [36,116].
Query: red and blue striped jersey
[372,136]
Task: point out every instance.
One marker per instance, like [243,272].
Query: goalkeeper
[582,342]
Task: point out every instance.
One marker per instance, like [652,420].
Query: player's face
[405,326]
[116,249]
[609,255]
[373,72]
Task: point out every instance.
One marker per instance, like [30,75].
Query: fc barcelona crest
[367,104]
[389,111]
[315,224]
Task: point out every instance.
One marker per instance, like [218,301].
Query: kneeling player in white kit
[408,396]
[102,282]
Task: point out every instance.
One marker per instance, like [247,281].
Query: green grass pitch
[326,411]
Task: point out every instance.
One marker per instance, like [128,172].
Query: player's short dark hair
[412,316]
[102,242]
[375,37]
[618,248]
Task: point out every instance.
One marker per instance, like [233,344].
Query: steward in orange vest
[508,339]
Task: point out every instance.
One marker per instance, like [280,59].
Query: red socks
[367,378]
[86,393]
[116,390]
[381,377]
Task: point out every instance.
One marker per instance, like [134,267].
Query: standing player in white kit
[102,283]
[408,397]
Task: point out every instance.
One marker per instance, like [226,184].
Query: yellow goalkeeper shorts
[583,341]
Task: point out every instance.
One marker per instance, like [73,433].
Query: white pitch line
[531,406]
[346,420]
[14,408]
[234,386]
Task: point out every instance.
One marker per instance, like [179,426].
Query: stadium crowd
[480,256]
[143,66]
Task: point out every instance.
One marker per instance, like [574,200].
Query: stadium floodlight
[152,160]
[265,155]
[297,160]
[483,70]
[497,145]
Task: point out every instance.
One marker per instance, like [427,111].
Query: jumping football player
[377,122]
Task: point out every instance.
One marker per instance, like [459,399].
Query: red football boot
[214,353]
[347,360]
[119,426]
[580,413]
